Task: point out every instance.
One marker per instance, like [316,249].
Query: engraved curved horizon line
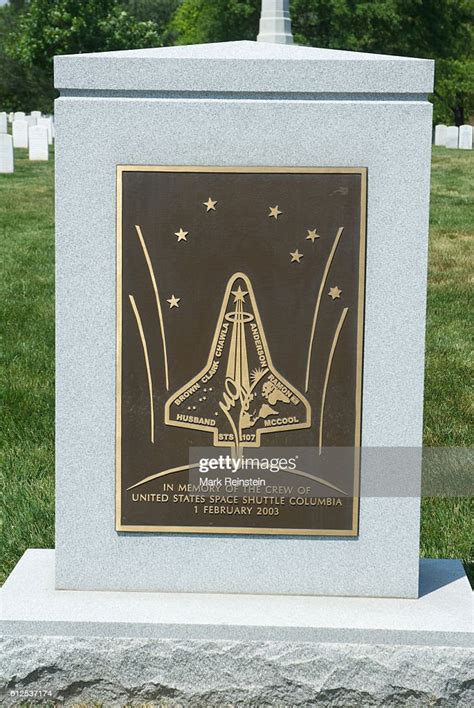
[328,372]
[147,364]
[164,473]
[157,298]
[318,303]
[183,468]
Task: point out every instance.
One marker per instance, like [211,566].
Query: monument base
[192,649]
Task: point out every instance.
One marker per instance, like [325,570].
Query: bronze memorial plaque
[240,304]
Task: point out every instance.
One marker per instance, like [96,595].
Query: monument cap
[242,67]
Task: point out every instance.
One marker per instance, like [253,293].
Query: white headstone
[36,114]
[49,125]
[440,134]
[3,122]
[452,137]
[20,133]
[38,142]
[31,120]
[10,117]
[19,115]
[465,137]
[6,153]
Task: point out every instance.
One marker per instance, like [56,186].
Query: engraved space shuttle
[239,395]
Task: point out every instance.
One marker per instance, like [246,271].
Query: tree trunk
[458,111]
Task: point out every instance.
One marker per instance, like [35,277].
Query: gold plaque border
[354,531]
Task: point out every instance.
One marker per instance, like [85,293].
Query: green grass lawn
[447,527]
[27,346]
[26,359]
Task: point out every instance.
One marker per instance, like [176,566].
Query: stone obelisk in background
[275,22]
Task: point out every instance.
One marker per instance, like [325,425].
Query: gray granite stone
[228,673]
[391,138]
[244,67]
[441,616]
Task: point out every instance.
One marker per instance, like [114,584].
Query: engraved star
[239,294]
[334,293]
[275,212]
[173,301]
[210,204]
[296,256]
[181,235]
[312,235]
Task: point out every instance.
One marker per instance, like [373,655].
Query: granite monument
[241,264]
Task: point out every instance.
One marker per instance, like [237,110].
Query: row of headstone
[454,137]
[35,137]
[21,129]
[21,115]
[35,118]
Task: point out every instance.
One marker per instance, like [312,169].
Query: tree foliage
[454,91]
[434,29]
[51,27]
[200,21]
[424,28]
[159,12]
[45,28]
[21,86]
[33,31]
